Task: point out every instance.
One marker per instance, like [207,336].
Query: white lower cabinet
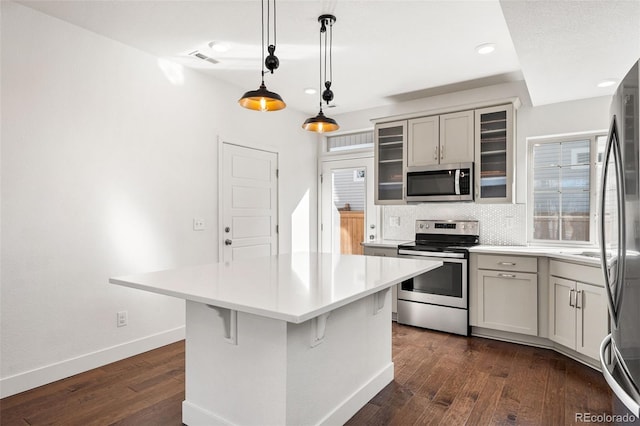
[578,311]
[508,301]
[506,294]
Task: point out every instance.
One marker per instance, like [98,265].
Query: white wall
[105,163]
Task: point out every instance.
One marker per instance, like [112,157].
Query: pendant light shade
[321,123]
[263,99]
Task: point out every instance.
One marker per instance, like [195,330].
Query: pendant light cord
[275,32]
[262,30]
[320,70]
[330,51]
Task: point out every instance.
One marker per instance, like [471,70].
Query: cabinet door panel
[456,137]
[562,323]
[423,148]
[593,318]
[508,301]
[494,153]
[389,157]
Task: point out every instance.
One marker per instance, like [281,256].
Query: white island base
[301,339]
[263,371]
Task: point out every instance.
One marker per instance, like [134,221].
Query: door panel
[592,319]
[456,137]
[563,315]
[508,301]
[348,215]
[249,207]
[424,145]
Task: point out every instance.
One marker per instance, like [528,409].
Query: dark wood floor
[439,379]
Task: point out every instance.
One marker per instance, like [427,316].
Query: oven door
[445,286]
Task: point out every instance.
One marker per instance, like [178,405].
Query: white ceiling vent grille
[200,55]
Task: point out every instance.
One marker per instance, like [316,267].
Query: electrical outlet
[198,224]
[122,318]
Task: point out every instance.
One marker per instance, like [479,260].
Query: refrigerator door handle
[613,300]
[620,392]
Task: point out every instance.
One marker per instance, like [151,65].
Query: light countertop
[385,243]
[585,255]
[290,287]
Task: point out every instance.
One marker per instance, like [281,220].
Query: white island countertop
[290,287]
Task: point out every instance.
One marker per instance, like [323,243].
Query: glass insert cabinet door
[494,162]
[390,147]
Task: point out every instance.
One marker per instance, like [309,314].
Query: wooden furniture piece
[351,231]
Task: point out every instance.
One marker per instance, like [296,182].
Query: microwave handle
[457,182]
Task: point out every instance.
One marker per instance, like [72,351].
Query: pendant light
[263,99]
[321,123]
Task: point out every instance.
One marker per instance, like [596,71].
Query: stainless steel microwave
[440,182]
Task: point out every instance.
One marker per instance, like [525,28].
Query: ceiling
[383,51]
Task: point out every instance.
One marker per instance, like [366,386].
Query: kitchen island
[287,339]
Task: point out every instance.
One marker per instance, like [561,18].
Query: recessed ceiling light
[485,48]
[310,91]
[608,82]
[218,46]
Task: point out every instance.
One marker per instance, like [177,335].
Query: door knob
[227,229]
[372,226]
[227,242]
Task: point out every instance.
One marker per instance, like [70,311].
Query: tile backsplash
[500,224]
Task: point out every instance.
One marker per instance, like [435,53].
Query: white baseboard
[41,376]
[192,415]
[359,399]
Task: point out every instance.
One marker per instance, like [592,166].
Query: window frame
[594,177]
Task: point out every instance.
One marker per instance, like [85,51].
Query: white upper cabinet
[441,139]
[456,137]
[494,155]
[389,154]
[424,145]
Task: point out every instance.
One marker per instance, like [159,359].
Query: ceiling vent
[200,55]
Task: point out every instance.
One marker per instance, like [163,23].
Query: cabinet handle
[506,263]
[442,153]
[571,302]
[506,275]
[579,299]
[435,153]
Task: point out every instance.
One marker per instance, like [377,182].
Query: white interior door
[249,207]
[348,215]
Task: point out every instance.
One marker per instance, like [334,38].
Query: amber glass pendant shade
[320,124]
[262,100]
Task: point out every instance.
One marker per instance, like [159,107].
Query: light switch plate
[198,224]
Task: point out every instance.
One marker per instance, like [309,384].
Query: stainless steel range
[439,299]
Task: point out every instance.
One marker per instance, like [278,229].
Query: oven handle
[431,254]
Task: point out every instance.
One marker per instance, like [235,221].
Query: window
[564,175]
[351,141]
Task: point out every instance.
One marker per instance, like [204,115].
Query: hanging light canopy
[263,99]
[321,123]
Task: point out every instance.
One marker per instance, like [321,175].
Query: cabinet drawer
[507,263]
[579,273]
[380,251]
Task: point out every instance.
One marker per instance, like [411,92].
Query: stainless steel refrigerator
[619,235]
